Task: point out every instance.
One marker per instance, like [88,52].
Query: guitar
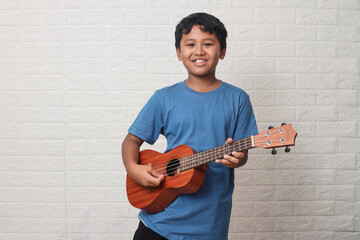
[182,171]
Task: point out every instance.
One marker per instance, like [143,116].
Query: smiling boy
[202,112]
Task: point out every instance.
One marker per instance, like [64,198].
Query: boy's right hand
[146,176]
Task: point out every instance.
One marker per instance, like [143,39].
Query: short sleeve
[148,125]
[246,124]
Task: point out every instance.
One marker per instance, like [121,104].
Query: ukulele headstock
[283,136]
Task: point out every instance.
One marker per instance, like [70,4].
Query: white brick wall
[74,74]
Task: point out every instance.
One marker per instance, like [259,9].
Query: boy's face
[200,52]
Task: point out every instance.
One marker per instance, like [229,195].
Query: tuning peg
[270,127]
[283,124]
[287,149]
[274,151]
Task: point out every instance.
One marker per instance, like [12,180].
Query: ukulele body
[156,199]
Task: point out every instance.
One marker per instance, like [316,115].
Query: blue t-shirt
[201,121]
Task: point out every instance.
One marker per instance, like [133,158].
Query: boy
[202,112]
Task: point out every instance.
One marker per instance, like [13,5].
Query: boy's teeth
[199,61]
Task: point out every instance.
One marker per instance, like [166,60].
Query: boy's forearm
[144,175]
[130,150]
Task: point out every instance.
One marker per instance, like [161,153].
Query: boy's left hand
[236,159]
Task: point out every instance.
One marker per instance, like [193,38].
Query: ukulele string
[198,155]
[164,168]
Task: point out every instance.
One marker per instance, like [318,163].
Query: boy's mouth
[199,61]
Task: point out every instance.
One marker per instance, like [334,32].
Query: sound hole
[173,167]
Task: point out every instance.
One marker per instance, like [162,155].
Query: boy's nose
[199,50]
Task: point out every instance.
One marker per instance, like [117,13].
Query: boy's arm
[144,175]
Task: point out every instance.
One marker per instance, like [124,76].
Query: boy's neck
[203,84]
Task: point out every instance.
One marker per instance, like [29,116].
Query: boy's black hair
[208,23]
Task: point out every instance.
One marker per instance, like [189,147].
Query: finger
[155,181]
[155,173]
[238,154]
[226,163]
[229,140]
[232,160]
[223,161]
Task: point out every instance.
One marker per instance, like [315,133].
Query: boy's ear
[178,52]
[222,53]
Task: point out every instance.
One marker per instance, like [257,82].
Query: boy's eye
[190,44]
[208,44]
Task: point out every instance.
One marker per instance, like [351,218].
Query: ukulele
[182,169]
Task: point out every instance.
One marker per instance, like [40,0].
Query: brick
[316,145]
[314,208]
[348,113]
[260,65]
[346,235]
[347,208]
[346,145]
[75,17]
[244,177]
[341,193]
[275,16]
[85,4]
[92,226]
[349,17]
[43,34]
[240,49]
[11,5]
[84,34]
[316,17]
[296,4]
[296,33]
[296,65]
[331,161]
[243,4]
[52,18]
[272,236]
[242,209]
[89,66]
[291,193]
[154,17]
[296,161]
[263,97]
[254,224]
[258,33]
[342,129]
[316,49]
[311,113]
[295,98]
[106,50]
[222,4]
[332,33]
[293,224]
[275,49]
[340,223]
[332,65]
[285,114]
[348,97]
[327,97]
[272,209]
[106,17]
[314,177]
[275,81]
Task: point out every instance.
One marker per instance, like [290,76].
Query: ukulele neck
[211,155]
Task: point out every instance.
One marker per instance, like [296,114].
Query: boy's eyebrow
[205,39]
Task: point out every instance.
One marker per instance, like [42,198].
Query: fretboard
[210,155]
